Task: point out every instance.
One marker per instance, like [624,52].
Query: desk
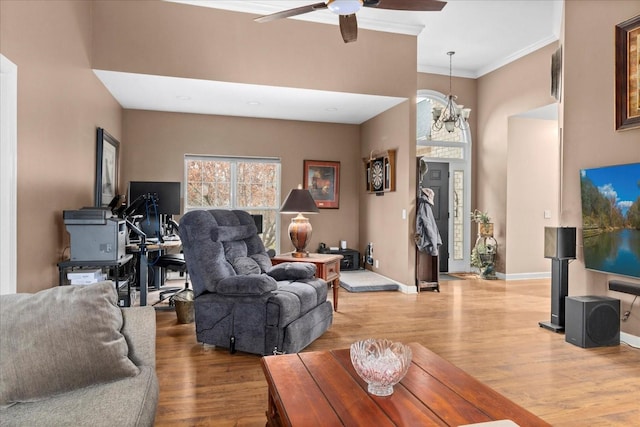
[321,388]
[118,266]
[142,265]
[327,269]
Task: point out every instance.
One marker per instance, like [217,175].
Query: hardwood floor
[487,328]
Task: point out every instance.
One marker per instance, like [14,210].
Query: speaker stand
[551,326]
[559,290]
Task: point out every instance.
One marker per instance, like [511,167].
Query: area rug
[445,276]
[366,281]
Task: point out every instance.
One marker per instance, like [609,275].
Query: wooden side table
[327,269]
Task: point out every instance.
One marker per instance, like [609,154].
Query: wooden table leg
[335,285]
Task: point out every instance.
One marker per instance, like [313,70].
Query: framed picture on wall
[106,168]
[628,74]
[322,179]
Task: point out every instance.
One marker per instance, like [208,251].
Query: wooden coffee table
[327,269]
[322,389]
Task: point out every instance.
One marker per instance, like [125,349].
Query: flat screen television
[611,219]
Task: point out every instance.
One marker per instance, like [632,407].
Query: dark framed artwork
[106,168]
[628,74]
[556,74]
[322,179]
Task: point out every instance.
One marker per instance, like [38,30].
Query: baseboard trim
[631,340]
[406,289]
[524,276]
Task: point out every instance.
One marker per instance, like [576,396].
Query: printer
[96,235]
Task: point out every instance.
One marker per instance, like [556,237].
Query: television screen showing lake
[611,218]
[614,252]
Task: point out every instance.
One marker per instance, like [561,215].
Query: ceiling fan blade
[292,12]
[349,28]
[411,5]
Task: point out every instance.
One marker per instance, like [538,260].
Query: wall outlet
[404,214]
[377,263]
[547,214]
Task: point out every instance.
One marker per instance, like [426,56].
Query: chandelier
[453,116]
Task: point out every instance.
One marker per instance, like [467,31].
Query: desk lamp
[299,202]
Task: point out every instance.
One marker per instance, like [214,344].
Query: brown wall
[533,183]
[381,220]
[60,104]
[229,46]
[161,38]
[513,89]
[156,143]
[589,136]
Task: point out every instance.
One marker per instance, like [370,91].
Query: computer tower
[592,321]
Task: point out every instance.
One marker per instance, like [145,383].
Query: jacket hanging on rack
[427,235]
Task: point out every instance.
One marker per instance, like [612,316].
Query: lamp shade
[299,201]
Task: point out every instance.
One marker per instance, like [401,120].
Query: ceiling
[485,34]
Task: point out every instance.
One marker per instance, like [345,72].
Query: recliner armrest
[293,271]
[251,284]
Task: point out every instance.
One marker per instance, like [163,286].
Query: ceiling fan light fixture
[344,7]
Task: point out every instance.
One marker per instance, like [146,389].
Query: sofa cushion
[292,271]
[127,402]
[59,340]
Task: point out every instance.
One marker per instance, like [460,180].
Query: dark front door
[437,178]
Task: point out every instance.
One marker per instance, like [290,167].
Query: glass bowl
[381,363]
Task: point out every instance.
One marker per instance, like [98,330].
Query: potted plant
[484,252]
[485,226]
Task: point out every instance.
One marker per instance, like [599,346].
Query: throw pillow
[244,265]
[59,340]
[263,261]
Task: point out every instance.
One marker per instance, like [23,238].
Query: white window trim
[188,157]
[8,175]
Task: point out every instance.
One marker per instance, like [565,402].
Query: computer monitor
[167,195]
[154,201]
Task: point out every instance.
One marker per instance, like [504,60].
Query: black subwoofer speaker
[592,321]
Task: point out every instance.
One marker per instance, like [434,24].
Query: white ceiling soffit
[485,34]
[161,93]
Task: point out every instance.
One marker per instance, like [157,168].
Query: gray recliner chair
[242,302]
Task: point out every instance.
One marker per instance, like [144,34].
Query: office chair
[172,262]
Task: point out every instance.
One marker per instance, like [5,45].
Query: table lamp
[299,202]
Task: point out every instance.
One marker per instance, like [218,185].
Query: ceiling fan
[347,9]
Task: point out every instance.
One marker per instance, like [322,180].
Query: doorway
[437,179]
[450,151]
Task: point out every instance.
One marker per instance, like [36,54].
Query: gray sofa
[69,356]
[242,302]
